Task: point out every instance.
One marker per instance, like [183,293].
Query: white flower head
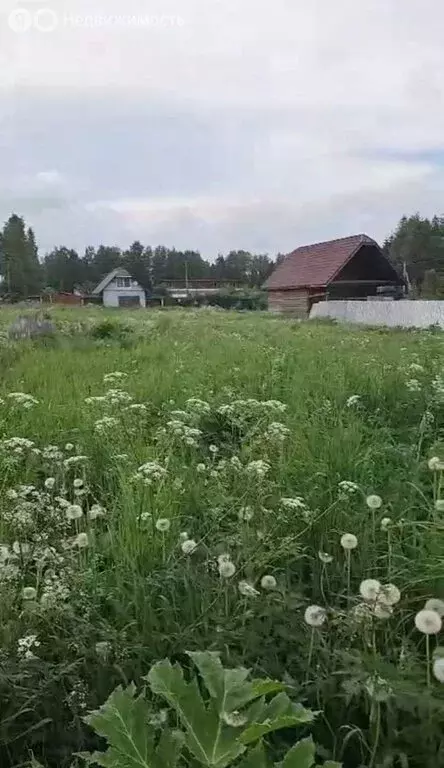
[20,548]
[382,610]
[96,511]
[50,483]
[428,622]
[245,514]
[183,536]
[348,486]
[78,482]
[163,524]
[234,719]
[349,541]
[370,589]
[435,464]
[227,569]
[247,590]
[325,558]
[74,512]
[434,604]
[373,501]
[386,523]
[268,582]
[315,616]
[29,593]
[438,669]
[439,505]
[353,400]
[81,540]
[389,594]
[103,648]
[188,546]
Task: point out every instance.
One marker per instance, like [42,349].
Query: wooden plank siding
[294,302]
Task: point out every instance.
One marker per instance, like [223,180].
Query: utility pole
[186,276]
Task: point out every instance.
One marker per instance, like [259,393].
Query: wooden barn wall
[291,302]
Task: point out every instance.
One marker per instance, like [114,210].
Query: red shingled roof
[314,266]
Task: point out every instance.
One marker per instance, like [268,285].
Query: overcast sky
[218,124]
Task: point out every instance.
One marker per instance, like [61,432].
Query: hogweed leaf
[279,713]
[169,749]
[123,722]
[230,688]
[207,737]
[302,755]
[256,758]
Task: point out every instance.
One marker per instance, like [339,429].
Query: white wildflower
[213,449]
[277,431]
[434,604]
[4,553]
[370,589]
[245,514]
[227,569]
[29,593]
[106,424]
[234,719]
[382,610]
[74,512]
[81,540]
[373,501]
[96,511]
[188,546]
[428,622]
[103,648]
[349,541]
[293,503]
[151,472]
[268,582]
[11,494]
[348,486]
[200,468]
[435,464]
[438,669]
[247,590]
[20,548]
[163,524]
[315,616]
[324,557]
[353,400]
[386,523]
[439,505]
[183,536]
[389,594]
[78,482]
[50,483]
[413,385]
[69,447]
[258,468]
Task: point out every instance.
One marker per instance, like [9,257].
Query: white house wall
[111,294]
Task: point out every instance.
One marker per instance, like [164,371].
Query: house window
[123,282]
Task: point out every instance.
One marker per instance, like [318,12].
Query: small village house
[348,268]
[119,289]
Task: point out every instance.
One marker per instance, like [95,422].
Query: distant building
[349,268]
[119,289]
[182,288]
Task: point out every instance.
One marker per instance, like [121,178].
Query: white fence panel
[403,313]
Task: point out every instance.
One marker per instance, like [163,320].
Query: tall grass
[135,590]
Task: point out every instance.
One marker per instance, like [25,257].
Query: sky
[220,124]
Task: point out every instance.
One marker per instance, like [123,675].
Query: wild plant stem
[377,735]
[348,576]
[310,655]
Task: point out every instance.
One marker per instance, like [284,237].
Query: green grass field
[234,433]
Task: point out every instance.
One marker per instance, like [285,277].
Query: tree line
[416,248]
[64,269]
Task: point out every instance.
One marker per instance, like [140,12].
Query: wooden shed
[349,268]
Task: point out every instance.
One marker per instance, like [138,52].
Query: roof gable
[316,265]
[119,272]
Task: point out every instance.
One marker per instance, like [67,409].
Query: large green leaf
[207,737]
[279,713]
[230,688]
[124,722]
[256,758]
[302,755]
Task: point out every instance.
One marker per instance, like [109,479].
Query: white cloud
[269,122]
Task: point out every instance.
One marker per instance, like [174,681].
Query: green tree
[417,243]
[64,270]
[19,264]
[137,260]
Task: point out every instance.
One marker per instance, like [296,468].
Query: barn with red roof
[349,268]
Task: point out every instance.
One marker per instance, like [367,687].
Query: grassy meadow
[182,481]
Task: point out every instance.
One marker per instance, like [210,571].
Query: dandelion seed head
[81,540]
[234,719]
[315,616]
[349,541]
[373,501]
[29,593]
[389,594]
[227,569]
[370,589]
[163,524]
[434,604]
[438,669]
[439,505]
[428,622]
[189,546]
[386,523]
[268,582]
[96,511]
[382,610]
[74,512]
[325,558]
[78,482]
[435,464]
[50,483]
